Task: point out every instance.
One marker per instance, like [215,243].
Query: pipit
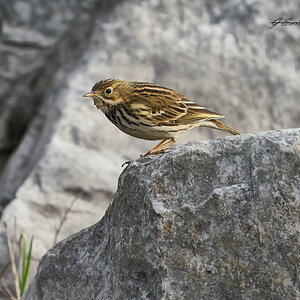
[151,112]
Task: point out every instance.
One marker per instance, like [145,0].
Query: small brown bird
[150,111]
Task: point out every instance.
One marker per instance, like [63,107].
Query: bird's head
[109,92]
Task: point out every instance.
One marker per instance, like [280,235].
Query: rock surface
[210,220]
[61,158]
[36,38]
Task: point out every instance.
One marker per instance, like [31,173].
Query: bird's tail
[219,125]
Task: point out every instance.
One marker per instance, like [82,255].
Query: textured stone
[40,44]
[210,220]
[36,37]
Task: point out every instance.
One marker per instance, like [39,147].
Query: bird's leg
[161,145]
[153,149]
[164,150]
[159,148]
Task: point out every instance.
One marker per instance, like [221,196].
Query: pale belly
[149,134]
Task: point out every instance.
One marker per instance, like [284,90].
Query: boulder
[209,220]
[36,38]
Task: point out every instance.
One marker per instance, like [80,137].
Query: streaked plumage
[152,112]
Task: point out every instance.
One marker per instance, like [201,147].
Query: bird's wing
[159,107]
[196,113]
[170,108]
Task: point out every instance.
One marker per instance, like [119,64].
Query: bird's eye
[108,91]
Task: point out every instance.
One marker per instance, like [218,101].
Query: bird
[152,112]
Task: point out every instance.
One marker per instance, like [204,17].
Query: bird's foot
[151,153]
[156,152]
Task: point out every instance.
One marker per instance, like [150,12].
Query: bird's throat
[100,104]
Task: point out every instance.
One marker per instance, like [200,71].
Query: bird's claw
[126,163]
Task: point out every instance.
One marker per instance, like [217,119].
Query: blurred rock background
[60,158]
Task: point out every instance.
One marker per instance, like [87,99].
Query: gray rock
[209,220]
[34,45]
[37,38]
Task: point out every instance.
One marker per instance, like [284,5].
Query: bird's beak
[89,95]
